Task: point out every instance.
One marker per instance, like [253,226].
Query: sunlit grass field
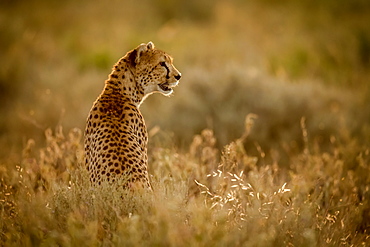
[265,142]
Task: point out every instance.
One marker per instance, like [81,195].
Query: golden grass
[202,197]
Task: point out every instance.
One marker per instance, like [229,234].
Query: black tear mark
[168,70]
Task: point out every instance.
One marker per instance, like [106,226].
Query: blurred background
[281,60]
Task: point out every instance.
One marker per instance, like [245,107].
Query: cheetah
[115,135]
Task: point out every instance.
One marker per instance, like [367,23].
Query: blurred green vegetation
[301,67]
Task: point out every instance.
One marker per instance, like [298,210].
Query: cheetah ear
[150,45]
[135,55]
[140,49]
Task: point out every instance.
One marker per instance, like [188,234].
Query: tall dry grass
[201,197]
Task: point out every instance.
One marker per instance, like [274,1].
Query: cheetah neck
[122,81]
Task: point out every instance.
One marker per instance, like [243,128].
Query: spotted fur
[116,136]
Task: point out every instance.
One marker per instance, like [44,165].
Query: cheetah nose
[177,77]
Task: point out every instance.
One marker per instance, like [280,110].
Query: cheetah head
[154,70]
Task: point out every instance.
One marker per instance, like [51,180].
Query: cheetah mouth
[166,87]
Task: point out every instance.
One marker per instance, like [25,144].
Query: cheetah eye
[162,64]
